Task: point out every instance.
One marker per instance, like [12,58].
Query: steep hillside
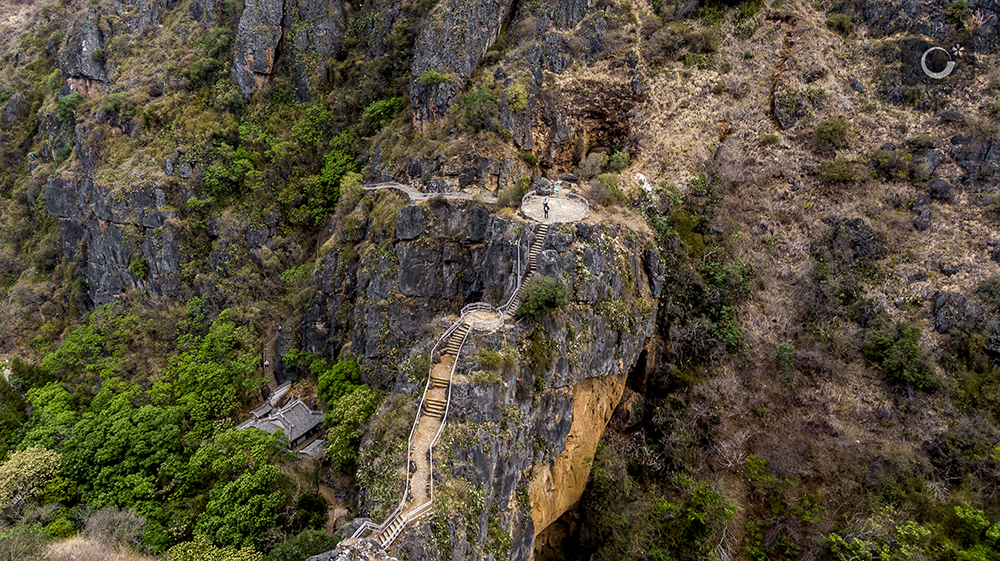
[773,335]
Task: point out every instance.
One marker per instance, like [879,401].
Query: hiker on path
[545,207]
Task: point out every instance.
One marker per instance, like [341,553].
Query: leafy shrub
[956,13]
[305,544]
[542,295]
[511,194]
[217,42]
[432,77]
[345,417]
[837,171]
[203,71]
[604,190]
[68,105]
[891,164]
[517,97]
[139,267]
[529,158]
[61,528]
[337,380]
[840,23]
[618,160]
[201,549]
[832,133]
[899,353]
[592,165]
[769,139]
[53,82]
[921,142]
[383,110]
[481,109]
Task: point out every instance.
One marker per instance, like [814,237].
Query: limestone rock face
[106,233]
[77,57]
[16,109]
[449,50]
[524,437]
[317,34]
[256,50]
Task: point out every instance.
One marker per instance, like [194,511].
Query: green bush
[139,267]
[432,77]
[517,97]
[832,133]
[769,139]
[891,164]
[337,380]
[383,110]
[481,110]
[840,23]
[202,72]
[529,158]
[618,160]
[837,171]
[68,105]
[542,295]
[345,417]
[61,528]
[899,353]
[218,41]
[305,544]
[956,13]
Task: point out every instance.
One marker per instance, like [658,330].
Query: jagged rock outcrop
[80,57]
[257,39]
[524,440]
[449,49]
[118,237]
[316,35]
[16,109]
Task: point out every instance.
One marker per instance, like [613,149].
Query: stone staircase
[268,360]
[455,340]
[418,498]
[536,248]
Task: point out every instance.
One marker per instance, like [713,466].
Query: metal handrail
[409,444]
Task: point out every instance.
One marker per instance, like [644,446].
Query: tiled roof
[295,418]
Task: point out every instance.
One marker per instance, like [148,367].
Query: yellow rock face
[558,484]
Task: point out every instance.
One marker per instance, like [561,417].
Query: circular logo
[949,66]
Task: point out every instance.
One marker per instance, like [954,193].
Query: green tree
[345,417]
[212,375]
[126,456]
[25,474]
[305,544]
[201,549]
[53,416]
[337,380]
[246,496]
[541,295]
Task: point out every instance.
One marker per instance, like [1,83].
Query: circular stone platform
[561,209]
[483,320]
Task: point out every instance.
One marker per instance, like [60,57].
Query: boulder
[257,39]
[317,36]
[17,108]
[410,222]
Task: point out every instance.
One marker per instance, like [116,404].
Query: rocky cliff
[522,429]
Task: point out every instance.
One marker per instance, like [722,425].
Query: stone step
[435,407]
[439,382]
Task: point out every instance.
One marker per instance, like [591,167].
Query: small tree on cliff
[541,295]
